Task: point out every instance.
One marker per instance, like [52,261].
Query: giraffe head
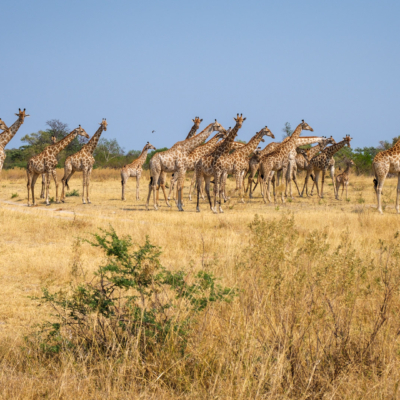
[239,120]
[329,140]
[53,139]
[81,132]
[3,125]
[350,162]
[305,126]
[149,147]
[347,139]
[218,127]
[104,124]
[266,132]
[21,115]
[303,152]
[197,121]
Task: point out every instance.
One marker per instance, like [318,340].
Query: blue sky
[155,65]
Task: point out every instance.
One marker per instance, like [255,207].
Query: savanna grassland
[308,307]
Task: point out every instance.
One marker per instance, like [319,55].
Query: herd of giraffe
[211,162]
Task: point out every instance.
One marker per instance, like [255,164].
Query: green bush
[132,300]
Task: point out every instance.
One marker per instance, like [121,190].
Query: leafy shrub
[131,301]
[72,193]
[14,195]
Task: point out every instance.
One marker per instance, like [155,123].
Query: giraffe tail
[375,179]
[312,176]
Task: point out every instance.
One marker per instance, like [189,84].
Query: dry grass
[316,316]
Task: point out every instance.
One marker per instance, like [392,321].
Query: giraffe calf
[343,178]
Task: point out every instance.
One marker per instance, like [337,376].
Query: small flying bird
[152,131]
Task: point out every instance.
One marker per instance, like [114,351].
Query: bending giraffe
[83,161]
[53,141]
[195,156]
[134,169]
[343,178]
[9,133]
[320,163]
[206,166]
[46,162]
[237,163]
[175,160]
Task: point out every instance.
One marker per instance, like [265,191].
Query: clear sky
[155,65]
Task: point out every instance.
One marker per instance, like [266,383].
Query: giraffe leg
[241,186]
[43,186]
[29,185]
[150,190]
[397,194]
[322,183]
[199,179]
[34,178]
[54,173]
[48,175]
[67,175]
[381,181]
[180,185]
[217,193]
[190,188]
[171,186]
[332,174]
[316,177]
[83,186]
[89,173]
[343,190]
[124,180]
[305,183]
[137,186]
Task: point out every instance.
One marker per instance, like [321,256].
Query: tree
[287,130]
[108,149]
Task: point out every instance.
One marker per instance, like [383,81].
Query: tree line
[109,153]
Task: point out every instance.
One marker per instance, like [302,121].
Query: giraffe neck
[8,134]
[315,150]
[347,170]
[197,140]
[192,132]
[267,149]
[91,145]
[143,155]
[249,148]
[302,141]
[225,146]
[296,133]
[331,150]
[62,144]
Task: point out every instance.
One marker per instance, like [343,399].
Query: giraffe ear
[244,119]
[201,120]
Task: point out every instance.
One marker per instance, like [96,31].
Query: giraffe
[162,178]
[302,159]
[321,163]
[283,158]
[194,156]
[134,169]
[385,162]
[343,178]
[53,141]
[83,161]
[255,160]
[195,127]
[46,162]
[9,133]
[237,163]
[175,160]
[205,168]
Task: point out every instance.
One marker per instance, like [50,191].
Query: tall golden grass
[316,315]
